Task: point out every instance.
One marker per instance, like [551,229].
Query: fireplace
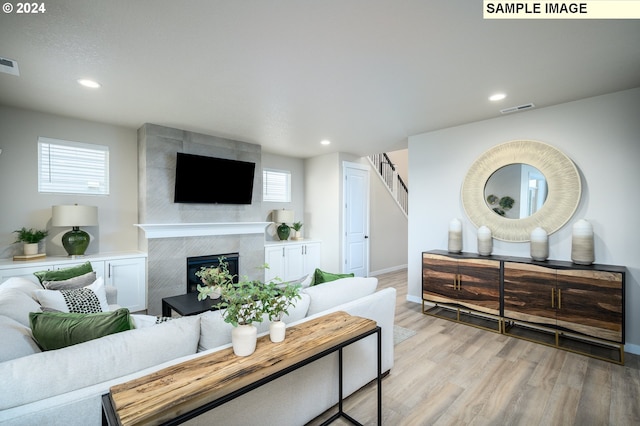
[211,261]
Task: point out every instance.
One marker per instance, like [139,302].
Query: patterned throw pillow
[86,300]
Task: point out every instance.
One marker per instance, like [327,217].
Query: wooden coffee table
[181,392]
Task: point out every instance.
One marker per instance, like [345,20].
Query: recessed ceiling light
[325,142]
[497,97]
[89,83]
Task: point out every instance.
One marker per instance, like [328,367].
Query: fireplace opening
[194,264]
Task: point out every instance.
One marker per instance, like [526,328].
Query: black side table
[187,304]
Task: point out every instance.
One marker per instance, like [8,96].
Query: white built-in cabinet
[290,260]
[127,272]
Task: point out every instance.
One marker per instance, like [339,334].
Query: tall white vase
[485,241]
[277,331]
[582,243]
[455,236]
[244,338]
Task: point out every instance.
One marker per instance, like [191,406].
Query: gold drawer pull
[559,299]
[553,297]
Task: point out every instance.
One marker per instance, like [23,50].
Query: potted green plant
[297,226]
[30,237]
[279,298]
[213,280]
[241,305]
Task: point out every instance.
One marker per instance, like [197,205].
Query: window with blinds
[276,185]
[72,167]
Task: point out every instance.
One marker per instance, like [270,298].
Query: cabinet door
[479,285]
[590,302]
[530,293]
[439,277]
[128,276]
[312,257]
[293,262]
[274,257]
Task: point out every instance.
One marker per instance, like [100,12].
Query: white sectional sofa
[64,386]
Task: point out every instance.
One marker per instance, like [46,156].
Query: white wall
[599,134]
[388,230]
[22,205]
[322,206]
[296,167]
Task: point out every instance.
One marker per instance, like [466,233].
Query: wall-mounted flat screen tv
[210,180]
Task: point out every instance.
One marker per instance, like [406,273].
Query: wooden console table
[181,392]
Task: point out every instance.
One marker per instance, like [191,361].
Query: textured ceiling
[286,74]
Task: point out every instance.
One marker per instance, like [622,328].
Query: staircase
[394,183]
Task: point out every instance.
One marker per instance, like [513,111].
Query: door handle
[366,236]
[553,297]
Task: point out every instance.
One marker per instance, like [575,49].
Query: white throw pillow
[214,331]
[16,305]
[142,321]
[17,340]
[334,293]
[78,300]
[24,285]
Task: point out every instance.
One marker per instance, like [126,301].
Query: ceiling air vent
[517,108]
[9,66]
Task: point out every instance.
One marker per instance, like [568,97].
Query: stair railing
[387,171]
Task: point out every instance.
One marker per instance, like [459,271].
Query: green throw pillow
[320,277]
[65,273]
[55,330]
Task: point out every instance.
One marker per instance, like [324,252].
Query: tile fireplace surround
[170,232]
[171,244]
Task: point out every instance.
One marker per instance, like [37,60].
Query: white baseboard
[386,270]
[414,299]
[632,349]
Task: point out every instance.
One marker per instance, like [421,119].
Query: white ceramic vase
[243,338]
[539,244]
[485,241]
[455,236]
[215,293]
[30,248]
[277,331]
[582,243]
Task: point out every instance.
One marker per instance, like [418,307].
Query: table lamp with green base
[76,241]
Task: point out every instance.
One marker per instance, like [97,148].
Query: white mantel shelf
[174,230]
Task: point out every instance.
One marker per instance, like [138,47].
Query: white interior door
[356,219]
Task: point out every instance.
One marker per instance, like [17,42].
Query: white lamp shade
[74,215]
[283,216]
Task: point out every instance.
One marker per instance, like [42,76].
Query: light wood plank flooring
[454,374]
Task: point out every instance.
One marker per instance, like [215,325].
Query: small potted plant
[214,279]
[297,226]
[30,237]
[280,297]
[242,304]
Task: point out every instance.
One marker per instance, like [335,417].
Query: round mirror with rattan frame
[563,181]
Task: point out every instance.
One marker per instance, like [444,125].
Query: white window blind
[72,167]
[276,185]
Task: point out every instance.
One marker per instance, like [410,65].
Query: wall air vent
[9,66]
[517,108]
